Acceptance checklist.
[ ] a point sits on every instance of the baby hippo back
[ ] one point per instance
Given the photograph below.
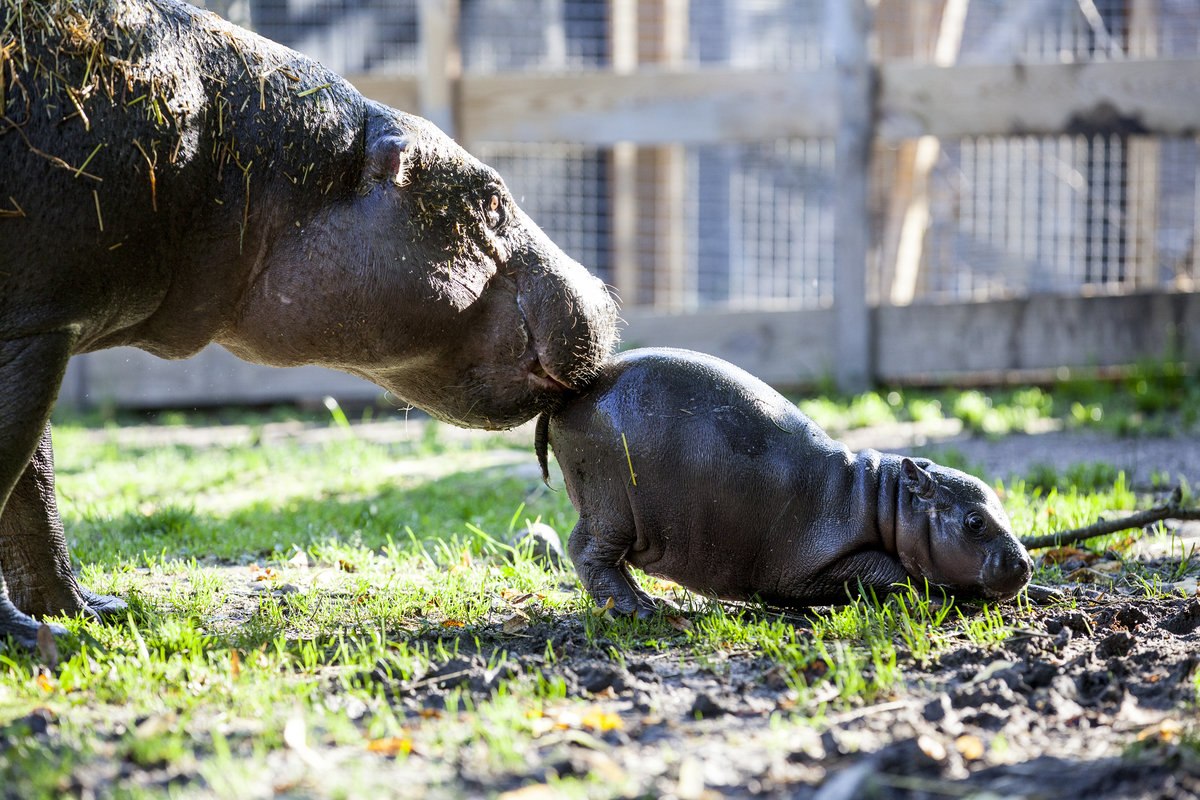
(722, 478)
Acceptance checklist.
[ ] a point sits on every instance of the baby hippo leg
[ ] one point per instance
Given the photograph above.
(873, 570)
(599, 559)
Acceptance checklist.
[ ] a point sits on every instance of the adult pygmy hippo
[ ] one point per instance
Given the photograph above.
(689, 468)
(170, 180)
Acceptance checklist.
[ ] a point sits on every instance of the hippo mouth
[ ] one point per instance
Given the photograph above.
(539, 378)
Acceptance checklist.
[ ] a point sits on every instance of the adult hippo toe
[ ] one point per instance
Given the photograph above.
(171, 180)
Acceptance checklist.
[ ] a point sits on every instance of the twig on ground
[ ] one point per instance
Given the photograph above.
(1169, 510)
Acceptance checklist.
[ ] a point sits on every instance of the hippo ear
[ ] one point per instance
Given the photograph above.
(917, 480)
(387, 160)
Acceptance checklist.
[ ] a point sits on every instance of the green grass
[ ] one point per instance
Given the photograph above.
(1154, 397)
(279, 594)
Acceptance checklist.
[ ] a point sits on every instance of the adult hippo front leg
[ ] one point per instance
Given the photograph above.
(31, 369)
(33, 548)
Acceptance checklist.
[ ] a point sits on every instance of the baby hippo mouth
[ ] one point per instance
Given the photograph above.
(1006, 573)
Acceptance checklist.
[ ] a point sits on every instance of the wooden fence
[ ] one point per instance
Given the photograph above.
(649, 100)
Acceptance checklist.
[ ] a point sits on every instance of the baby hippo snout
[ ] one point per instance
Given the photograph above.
(1006, 571)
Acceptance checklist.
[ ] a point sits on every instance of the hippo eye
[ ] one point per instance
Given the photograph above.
(975, 522)
(494, 211)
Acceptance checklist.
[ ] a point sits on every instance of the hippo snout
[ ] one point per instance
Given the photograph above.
(1006, 571)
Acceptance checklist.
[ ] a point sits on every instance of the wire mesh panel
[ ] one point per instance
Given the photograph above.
(346, 35)
(761, 225)
(564, 189)
(751, 225)
(558, 35)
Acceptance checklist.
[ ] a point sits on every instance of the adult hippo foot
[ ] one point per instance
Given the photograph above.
(102, 606)
(22, 628)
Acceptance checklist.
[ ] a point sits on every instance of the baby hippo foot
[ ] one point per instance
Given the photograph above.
(22, 628)
(102, 606)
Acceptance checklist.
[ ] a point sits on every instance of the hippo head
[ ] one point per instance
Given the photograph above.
(425, 277)
(952, 530)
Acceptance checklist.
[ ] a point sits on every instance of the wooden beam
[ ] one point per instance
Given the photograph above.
(1150, 97)
(397, 91)
(651, 106)
(849, 27)
(922, 343)
(913, 206)
(441, 64)
(1144, 158)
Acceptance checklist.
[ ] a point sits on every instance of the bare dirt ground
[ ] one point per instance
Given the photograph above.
(1095, 697)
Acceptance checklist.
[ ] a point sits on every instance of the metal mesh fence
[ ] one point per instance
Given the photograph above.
(751, 225)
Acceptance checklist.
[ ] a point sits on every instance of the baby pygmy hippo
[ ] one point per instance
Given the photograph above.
(691, 469)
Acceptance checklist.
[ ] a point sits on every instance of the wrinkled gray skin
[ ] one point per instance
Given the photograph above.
(170, 180)
(740, 496)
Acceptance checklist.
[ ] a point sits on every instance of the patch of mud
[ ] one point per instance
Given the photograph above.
(1085, 702)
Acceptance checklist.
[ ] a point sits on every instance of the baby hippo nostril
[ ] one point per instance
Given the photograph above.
(1008, 570)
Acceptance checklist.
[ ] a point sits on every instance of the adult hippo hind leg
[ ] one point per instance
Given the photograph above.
(31, 369)
(600, 563)
(34, 549)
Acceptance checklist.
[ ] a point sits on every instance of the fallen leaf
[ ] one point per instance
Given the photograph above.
(678, 623)
(691, 779)
(517, 622)
(931, 747)
(600, 720)
(258, 573)
(235, 664)
(453, 623)
(534, 791)
(44, 682)
(47, 647)
(1167, 731)
(991, 669)
(295, 734)
(346, 566)
(391, 746)
(1060, 554)
(969, 746)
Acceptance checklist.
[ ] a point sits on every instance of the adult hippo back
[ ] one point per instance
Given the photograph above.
(170, 180)
(687, 467)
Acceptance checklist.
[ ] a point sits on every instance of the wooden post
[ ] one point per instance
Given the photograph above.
(849, 29)
(1144, 159)
(909, 218)
(441, 63)
(649, 239)
(623, 39)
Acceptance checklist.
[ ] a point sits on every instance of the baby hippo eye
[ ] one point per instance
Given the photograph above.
(975, 522)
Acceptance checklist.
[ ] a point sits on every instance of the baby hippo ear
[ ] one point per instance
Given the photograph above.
(387, 160)
(917, 480)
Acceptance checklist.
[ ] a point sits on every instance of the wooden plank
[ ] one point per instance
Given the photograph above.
(937, 343)
(1145, 158)
(915, 216)
(784, 348)
(921, 343)
(125, 377)
(848, 30)
(1151, 97)
(440, 62)
(398, 91)
(649, 107)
